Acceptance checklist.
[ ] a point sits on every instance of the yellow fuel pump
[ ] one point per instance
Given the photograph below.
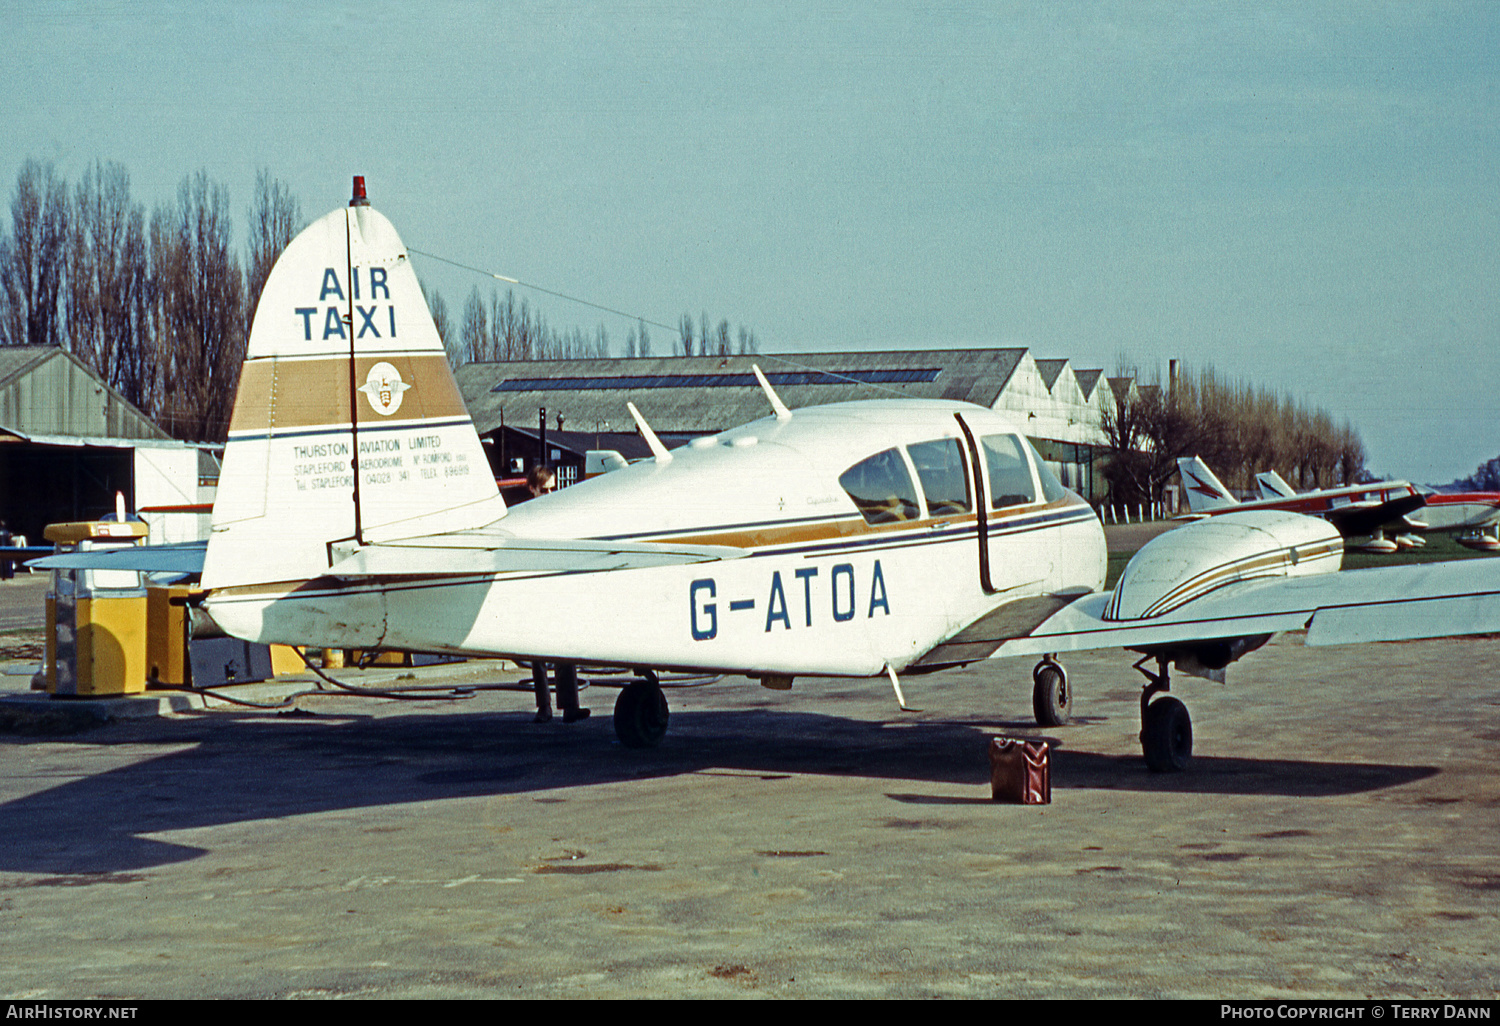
(96, 619)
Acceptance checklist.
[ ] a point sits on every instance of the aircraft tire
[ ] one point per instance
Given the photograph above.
(1167, 736)
(641, 715)
(1051, 697)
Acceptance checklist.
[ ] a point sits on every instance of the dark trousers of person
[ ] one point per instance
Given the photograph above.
(567, 692)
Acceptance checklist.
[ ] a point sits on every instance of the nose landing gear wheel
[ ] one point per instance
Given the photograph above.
(1167, 736)
(1051, 698)
(641, 714)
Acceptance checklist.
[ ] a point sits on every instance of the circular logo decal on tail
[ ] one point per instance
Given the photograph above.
(383, 387)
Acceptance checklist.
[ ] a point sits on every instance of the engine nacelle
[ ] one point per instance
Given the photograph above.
(1195, 559)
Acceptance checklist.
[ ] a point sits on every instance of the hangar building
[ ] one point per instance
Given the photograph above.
(1060, 409)
(69, 442)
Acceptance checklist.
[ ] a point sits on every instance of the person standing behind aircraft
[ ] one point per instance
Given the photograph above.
(541, 480)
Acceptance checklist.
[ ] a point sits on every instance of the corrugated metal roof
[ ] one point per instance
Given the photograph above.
(45, 390)
(712, 393)
(101, 441)
(17, 360)
(1049, 370)
(1121, 388)
(1087, 381)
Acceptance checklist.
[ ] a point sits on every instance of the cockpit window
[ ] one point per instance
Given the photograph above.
(1010, 476)
(1052, 488)
(940, 469)
(881, 487)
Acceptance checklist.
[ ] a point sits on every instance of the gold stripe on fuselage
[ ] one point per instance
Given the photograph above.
(851, 526)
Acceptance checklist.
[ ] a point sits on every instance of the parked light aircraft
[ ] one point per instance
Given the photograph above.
(1373, 510)
(868, 539)
(1473, 517)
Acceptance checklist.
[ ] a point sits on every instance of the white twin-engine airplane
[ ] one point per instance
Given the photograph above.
(866, 539)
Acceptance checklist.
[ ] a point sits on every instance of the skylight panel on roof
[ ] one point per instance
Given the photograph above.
(906, 375)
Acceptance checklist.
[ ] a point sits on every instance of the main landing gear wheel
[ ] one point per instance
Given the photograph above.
(1166, 727)
(641, 714)
(1051, 698)
(1167, 736)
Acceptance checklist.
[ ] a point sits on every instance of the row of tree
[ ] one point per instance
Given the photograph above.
(503, 328)
(715, 341)
(159, 308)
(1484, 479)
(1239, 431)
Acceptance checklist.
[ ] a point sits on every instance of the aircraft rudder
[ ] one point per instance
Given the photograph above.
(1204, 491)
(344, 370)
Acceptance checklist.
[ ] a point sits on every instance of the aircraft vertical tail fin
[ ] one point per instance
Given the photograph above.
(1204, 491)
(348, 426)
(1273, 486)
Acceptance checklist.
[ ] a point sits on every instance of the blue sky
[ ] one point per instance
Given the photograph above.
(1303, 195)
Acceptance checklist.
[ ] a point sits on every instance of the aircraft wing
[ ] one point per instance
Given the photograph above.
(459, 553)
(1383, 604)
(1355, 520)
(181, 558)
(480, 553)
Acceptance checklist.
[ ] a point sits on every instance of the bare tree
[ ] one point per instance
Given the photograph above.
(275, 218)
(5, 299)
(643, 343)
(1485, 479)
(107, 283)
(503, 323)
(438, 308)
(527, 334)
(198, 311)
(1238, 430)
(473, 330)
(32, 271)
(685, 334)
(1147, 428)
(1351, 455)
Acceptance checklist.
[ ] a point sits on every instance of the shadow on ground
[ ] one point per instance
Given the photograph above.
(242, 768)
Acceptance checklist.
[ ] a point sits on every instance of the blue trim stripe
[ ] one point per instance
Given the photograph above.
(721, 528)
(365, 427)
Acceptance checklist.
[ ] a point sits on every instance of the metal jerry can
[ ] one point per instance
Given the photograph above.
(1020, 771)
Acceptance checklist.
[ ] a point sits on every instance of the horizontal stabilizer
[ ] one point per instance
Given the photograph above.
(478, 553)
(186, 558)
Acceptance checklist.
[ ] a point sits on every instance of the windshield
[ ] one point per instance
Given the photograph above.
(882, 489)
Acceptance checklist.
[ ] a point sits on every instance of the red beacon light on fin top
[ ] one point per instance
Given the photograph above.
(359, 199)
